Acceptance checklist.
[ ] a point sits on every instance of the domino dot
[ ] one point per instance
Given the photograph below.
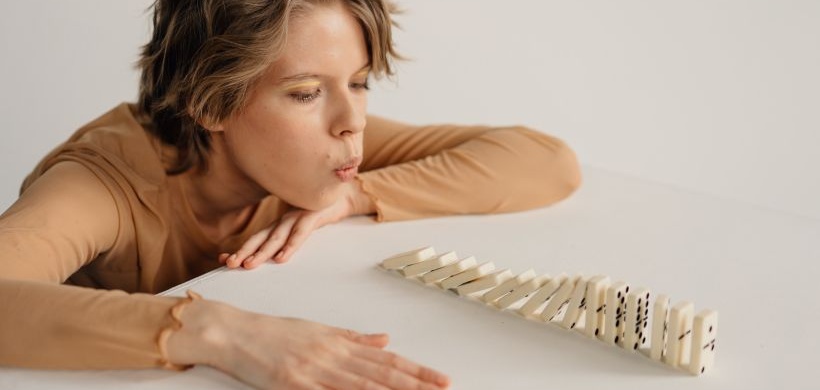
(627, 289)
(617, 338)
(636, 346)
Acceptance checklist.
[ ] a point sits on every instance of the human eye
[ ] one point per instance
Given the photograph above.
(363, 86)
(305, 97)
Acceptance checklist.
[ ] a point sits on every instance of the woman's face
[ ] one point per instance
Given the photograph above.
(300, 135)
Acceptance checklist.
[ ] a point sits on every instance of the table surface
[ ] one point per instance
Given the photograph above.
(757, 267)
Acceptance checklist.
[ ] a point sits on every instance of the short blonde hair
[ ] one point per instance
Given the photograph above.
(205, 55)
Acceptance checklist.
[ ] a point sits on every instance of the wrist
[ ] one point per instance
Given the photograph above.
(203, 336)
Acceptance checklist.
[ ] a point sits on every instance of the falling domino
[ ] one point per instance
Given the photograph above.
(596, 299)
(680, 331)
(542, 295)
(614, 317)
(576, 305)
(505, 288)
(660, 327)
(411, 257)
(704, 337)
(521, 291)
(448, 270)
(468, 275)
(485, 282)
(430, 264)
(559, 299)
(637, 309)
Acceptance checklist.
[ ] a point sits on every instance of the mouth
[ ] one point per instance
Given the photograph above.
(348, 170)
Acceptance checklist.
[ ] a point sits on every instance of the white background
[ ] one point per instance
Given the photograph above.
(714, 96)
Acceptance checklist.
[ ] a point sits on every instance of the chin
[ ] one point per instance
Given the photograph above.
(321, 201)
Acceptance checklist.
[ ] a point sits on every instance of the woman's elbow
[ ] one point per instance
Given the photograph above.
(556, 174)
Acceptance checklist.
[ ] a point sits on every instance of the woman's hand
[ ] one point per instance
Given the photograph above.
(280, 241)
(284, 353)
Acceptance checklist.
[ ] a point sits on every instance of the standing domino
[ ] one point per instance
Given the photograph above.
(448, 270)
(637, 310)
(521, 291)
(505, 288)
(596, 299)
(430, 264)
(411, 257)
(703, 342)
(468, 275)
(559, 300)
(680, 331)
(614, 318)
(542, 295)
(485, 282)
(576, 305)
(660, 327)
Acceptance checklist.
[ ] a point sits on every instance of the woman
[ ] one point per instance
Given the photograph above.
(249, 132)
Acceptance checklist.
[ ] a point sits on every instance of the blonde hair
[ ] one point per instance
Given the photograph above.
(205, 55)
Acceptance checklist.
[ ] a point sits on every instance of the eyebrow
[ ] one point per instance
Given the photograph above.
(304, 76)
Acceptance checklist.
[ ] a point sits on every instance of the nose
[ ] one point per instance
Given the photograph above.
(349, 117)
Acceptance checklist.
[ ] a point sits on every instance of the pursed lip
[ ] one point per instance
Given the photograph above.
(349, 169)
(352, 162)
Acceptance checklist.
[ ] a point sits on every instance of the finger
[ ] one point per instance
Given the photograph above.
(386, 375)
(274, 242)
(248, 248)
(298, 235)
(399, 363)
(223, 257)
(338, 379)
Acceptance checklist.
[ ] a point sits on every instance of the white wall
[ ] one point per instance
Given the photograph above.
(714, 96)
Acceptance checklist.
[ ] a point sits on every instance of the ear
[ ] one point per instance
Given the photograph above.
(211, 125)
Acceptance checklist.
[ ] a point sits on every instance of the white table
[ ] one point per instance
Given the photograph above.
(757, 267)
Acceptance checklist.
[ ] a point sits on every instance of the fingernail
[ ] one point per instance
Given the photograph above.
(231, 259)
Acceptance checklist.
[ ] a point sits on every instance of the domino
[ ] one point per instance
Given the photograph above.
(596, 303)
(468, 275)
(576, 305)
(637, 311)
(704, 333)
(559, 299)
(543, 294)
(484, 282)
(614, 316)
(430, 264)
(448, 270)
(411, 257)
(505, 288)
(660, 327)
(521, 291)
(680, 332)
(609, 312)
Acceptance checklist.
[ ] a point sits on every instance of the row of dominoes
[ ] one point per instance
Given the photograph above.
(610, 312)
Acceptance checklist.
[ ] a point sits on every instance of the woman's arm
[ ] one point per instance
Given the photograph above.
(424, 171)
(62, 221)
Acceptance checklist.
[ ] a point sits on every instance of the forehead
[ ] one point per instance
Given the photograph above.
(323, 39)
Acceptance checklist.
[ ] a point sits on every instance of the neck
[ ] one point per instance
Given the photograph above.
(222, 198)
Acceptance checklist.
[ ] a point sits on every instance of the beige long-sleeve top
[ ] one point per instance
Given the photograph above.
(68, 302)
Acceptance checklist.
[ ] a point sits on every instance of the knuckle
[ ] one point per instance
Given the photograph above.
(393, 360)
